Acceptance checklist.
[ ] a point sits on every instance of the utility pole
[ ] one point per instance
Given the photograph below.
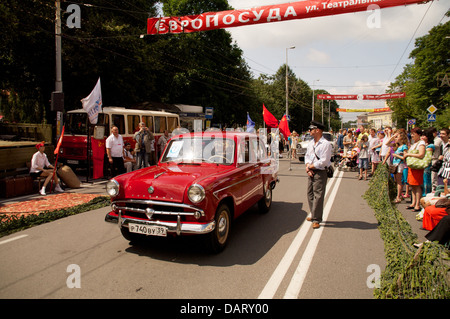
(57, 102)
(287, 85)
(58, 83)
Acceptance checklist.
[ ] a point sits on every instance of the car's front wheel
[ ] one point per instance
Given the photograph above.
(218, 238)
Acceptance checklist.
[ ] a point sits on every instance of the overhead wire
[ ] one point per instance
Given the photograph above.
(410, 40)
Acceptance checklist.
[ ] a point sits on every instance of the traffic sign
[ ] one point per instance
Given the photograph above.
(412, 122)
(432, 109)
(431, 118)
(209, 111)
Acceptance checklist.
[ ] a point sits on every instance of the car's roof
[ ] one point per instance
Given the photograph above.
(220, 134)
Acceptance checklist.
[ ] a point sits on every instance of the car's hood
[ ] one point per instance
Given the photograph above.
(168, 183)
(304, 144)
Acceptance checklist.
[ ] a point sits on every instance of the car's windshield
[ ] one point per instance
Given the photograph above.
(328, 136)
(200, 149)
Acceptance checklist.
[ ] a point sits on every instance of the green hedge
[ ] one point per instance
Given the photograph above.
(410, 272)
(10, 224)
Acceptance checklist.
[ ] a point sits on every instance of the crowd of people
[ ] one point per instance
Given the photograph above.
(418, 161)
(122, 158)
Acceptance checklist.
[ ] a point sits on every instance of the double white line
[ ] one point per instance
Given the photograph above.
(300, 273)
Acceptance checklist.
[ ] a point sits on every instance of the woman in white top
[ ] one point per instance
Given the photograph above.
(386, 145)
(40, 166)
(294, 144)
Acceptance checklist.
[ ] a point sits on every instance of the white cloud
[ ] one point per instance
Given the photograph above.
(342, 51)
(318, 56)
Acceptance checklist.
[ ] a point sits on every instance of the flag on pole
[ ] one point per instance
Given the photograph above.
(269, 119)
(250, 124)
(59, 142)
(284, 127)
(92, 104)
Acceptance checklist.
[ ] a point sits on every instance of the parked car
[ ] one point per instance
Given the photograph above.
(303, 145)
(202, 182)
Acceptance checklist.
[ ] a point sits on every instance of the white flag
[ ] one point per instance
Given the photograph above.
(92, 104)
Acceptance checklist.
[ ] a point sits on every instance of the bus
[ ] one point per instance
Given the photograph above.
(74, 148)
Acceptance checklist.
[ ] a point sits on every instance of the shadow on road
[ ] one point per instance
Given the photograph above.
(252, 236)
(355, 224)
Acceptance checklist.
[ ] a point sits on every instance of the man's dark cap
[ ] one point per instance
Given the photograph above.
(315, 124)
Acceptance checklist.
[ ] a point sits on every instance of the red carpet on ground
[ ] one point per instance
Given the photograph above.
(46, 203)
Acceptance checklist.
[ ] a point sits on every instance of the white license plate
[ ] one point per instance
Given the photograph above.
(147, 230)
(73, 162)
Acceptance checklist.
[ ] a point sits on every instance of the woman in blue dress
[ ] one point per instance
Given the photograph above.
(401, 142)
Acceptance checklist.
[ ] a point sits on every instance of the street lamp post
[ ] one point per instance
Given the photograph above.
(287, 87)
(313, 100)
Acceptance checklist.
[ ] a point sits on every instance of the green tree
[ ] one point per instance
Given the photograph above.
(271, 91)
(423, 80)
(206, 68)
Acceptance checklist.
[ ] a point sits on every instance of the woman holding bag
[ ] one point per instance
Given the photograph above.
(398, 161)
(415, 175)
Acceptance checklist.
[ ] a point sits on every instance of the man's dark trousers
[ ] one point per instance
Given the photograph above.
(316, 194)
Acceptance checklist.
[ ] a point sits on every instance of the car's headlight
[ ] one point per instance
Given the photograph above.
(112, 188)
(196, 193)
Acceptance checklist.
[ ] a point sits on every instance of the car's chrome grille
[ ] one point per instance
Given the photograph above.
(155, 210)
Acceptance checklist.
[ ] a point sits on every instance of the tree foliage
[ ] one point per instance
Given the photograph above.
(203, 68)
(425, 81)
(271, 90)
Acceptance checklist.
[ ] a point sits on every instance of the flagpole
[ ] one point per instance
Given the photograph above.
(57, 156)
(88, 143)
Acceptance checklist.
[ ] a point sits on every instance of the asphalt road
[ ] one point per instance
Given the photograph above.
(272, 256)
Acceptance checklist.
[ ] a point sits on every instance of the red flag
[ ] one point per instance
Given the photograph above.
(269, 119)
(98, 154)
(59, 142)
(284, 127)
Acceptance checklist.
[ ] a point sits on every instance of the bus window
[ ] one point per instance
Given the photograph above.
(103, 120)
(119, 121)
(76, 123)
(148, 120)
(172, 123)
(160, 124)
(133, 123)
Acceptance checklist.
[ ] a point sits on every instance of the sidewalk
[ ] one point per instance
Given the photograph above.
(36, 203)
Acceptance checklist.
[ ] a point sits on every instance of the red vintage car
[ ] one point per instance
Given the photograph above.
(202, 182)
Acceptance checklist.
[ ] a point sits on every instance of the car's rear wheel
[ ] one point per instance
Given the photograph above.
(265, 203)
(217, 240)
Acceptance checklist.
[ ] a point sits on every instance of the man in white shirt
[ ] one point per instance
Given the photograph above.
(114, 150)
(317, 159)
(40, 166)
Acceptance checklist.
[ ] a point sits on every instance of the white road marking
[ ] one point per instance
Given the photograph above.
(12, 239)
(300, 273)
(280, 272)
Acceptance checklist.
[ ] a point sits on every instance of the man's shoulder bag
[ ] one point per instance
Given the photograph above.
(329, 169)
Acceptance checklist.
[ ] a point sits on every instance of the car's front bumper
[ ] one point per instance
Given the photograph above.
(177, 227)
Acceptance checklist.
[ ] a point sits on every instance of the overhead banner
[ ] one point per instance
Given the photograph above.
(361, 96)
(265, 14)
(383, 109)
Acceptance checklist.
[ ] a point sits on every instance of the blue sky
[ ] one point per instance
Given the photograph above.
(342, 51)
